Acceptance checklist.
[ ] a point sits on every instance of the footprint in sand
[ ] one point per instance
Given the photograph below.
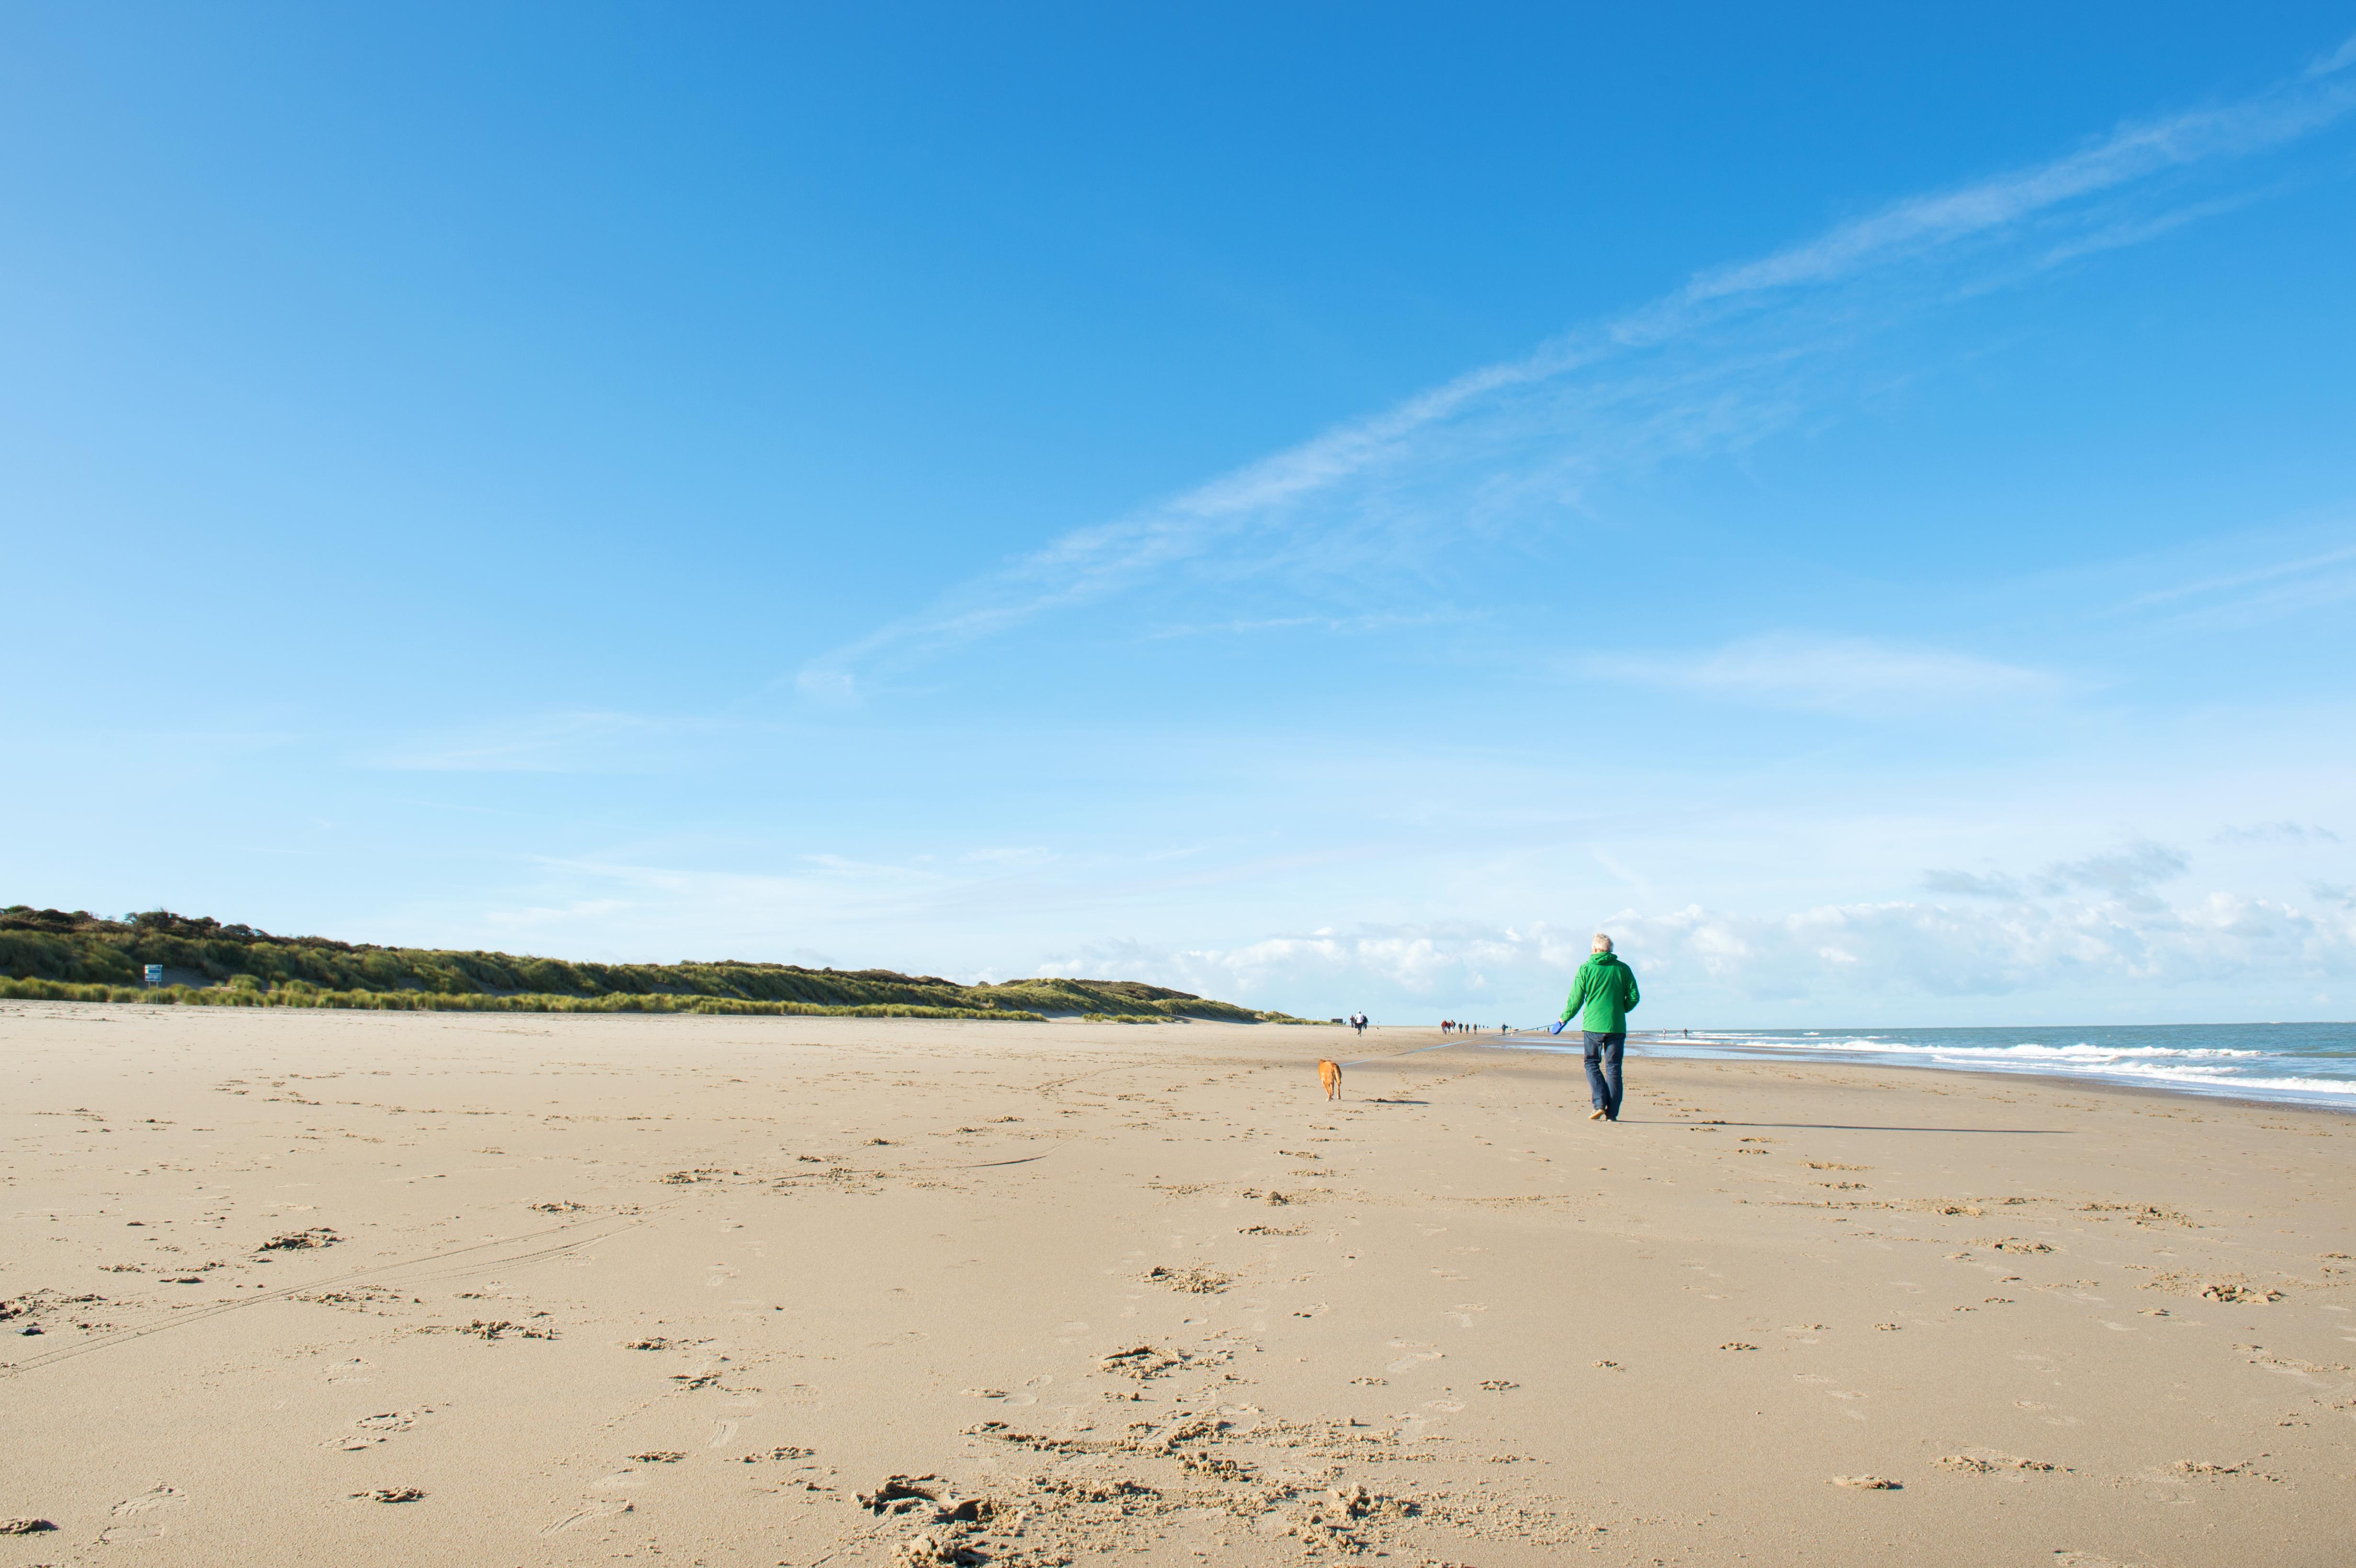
(147, 1513)
(2045, 1413)
(606, 1509)
(373, 1430)
(389, 1421)
(1413, 1358)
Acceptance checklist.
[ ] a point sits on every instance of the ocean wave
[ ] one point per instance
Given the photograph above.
(2025, 1050)
(2187, 1068)
(2186, 1075)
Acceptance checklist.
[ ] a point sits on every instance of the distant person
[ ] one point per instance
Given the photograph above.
(1358, 1022)
(1602, 994)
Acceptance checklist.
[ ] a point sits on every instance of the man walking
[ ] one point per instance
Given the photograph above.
(1601, 995)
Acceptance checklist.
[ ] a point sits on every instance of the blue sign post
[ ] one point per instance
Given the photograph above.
(155, 973)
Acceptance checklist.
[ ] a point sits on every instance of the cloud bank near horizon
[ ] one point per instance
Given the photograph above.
(1893, 955)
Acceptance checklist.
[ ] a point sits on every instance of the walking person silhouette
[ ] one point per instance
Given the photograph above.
(1602, 994)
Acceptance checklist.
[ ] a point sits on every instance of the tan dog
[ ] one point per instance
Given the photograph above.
(1329, 1074)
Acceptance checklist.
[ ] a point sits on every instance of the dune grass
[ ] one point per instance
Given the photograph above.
(62, 956)
(302, 995)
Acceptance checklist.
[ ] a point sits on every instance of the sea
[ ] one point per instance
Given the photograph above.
(2304, 1065)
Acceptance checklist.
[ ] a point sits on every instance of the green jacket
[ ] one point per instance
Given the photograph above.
(1606, 988)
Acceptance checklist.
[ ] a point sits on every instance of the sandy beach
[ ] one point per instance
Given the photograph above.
(507, 1290)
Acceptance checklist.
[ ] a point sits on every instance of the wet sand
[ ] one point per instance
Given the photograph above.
(508, 1290)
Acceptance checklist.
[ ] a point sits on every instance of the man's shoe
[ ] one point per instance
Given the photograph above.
(1596, 1114)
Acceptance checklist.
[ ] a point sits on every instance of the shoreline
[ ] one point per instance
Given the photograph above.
(1999, 1075)
(2338, 1101)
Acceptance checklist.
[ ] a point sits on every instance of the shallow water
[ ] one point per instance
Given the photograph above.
(2309, 1064)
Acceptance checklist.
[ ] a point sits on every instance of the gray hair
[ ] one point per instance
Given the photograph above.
(1602, 943)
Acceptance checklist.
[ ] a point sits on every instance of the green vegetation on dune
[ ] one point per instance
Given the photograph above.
(299, 995)
(77, 957)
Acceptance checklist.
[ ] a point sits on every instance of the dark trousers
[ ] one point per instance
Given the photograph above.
(1603, 1069)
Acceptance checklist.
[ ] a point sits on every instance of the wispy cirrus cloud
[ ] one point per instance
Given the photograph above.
(1836, 674)
(2128, 155)
(2310, 581)
(2339, 59)
(1329, 624)
(570, 741)
(2284, 832)
(1740, 352)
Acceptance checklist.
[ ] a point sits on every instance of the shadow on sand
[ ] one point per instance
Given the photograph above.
(1861, 1128)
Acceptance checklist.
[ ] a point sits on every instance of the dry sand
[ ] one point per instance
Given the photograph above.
(381, 1288)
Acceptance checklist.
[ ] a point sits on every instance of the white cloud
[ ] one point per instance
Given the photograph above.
(1881, 957)
(1441, 962)
(2120, 873)
(1970, 885)
(2127, 872)
(577, 741)
(2130, 154)
(1010, 855)
(2339, 59)
(2277, 833)
(828, 686)
(2308, 582)
(1908, 950)
(1338, 625)
(1837, 675)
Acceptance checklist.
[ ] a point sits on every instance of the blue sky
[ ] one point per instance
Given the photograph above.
(1322, 506)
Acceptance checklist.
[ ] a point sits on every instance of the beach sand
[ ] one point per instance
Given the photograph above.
(518, 1289)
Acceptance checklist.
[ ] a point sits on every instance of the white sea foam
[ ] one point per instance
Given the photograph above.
(2300, 1071)
(2026, 1050)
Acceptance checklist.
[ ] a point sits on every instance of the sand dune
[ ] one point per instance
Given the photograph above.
(506, 1290)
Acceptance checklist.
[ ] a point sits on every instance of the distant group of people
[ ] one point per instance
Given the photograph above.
(1456, 1026)
(1358, 1022)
